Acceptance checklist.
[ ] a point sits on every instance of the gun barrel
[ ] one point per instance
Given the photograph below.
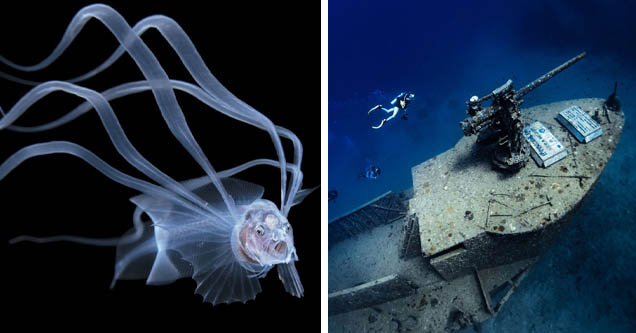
(521, 92)
(472, 125)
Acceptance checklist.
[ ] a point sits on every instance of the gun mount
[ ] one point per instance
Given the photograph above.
(503, 119)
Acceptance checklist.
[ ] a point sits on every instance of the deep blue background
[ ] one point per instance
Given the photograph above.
(445, 53)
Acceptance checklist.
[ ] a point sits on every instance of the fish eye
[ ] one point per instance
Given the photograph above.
(286, 228)
(260, 230)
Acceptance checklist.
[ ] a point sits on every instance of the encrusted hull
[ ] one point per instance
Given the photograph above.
(454, 248)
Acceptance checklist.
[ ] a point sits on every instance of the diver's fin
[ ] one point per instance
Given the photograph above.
(374, 108)
(382, 123)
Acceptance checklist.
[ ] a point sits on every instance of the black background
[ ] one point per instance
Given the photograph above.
(266, 53)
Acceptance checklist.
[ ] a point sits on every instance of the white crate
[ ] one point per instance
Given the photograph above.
(546, 149)
(580, 124)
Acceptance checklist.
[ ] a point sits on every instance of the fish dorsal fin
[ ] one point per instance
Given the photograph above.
(302, 194)
(158, 209)
(241, 191)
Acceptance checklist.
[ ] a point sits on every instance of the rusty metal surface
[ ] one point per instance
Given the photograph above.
(411, 247)
(380, 291)
(385, 209)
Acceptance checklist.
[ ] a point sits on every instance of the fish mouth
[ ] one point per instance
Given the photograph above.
(280, 248)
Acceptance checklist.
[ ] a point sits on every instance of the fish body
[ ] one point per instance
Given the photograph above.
(225, 254)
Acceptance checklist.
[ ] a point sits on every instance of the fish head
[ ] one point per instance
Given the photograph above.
(265, 237)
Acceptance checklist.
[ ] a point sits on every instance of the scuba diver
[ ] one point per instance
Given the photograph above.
(399, 103)
(372, 172)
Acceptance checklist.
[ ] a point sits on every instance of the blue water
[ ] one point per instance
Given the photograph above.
(445, 53)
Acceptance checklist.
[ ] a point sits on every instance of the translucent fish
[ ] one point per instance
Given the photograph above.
(216, 229)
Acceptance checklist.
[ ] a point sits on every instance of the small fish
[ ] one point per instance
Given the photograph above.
(372, 172)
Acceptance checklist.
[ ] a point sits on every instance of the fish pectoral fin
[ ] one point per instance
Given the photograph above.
(291, 281)
(226, 283)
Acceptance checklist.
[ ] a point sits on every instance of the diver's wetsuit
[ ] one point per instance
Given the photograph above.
(400, 103)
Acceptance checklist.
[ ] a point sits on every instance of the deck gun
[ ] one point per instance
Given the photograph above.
(503, 119)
